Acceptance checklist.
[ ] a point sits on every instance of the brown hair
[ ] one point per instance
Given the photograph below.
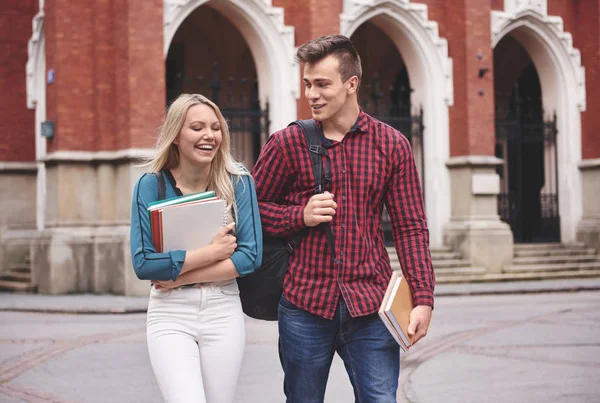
(337, 45)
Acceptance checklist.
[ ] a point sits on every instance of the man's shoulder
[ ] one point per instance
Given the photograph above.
(388, 138)
(288, 137)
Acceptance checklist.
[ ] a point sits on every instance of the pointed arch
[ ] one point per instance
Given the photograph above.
(271, 43)
(562, 80)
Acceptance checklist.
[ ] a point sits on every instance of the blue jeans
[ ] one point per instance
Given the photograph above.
(307, 344)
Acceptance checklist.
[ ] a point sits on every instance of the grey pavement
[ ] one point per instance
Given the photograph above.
(108, 303)
(535, 347)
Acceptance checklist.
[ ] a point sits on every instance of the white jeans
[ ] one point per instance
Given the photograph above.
(196, 342)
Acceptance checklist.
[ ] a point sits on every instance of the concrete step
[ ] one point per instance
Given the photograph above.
(450, 271)
(554, 252)
(16, 286)
(15, 276)
(441, 250)
(545, 246)
(21, 267)
(439, 263)
(569, 274)
(458, 271)
(539, 260)
(436, 256)
(551, 267)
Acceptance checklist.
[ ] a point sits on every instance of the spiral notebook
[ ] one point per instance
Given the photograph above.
(191, 225)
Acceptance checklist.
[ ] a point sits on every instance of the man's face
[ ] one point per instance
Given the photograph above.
(324, 89)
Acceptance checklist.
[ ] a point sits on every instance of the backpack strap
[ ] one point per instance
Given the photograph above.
(314, 137)
(161, 185)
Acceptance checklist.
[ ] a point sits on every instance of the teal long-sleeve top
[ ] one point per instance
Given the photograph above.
(150, 265)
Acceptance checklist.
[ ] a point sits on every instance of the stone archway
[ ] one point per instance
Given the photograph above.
(430, 71)
(271, 43)
(563, 91)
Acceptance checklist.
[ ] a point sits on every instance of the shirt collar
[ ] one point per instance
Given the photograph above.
(361, 125)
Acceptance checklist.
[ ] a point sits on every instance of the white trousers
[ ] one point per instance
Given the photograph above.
(196, 342)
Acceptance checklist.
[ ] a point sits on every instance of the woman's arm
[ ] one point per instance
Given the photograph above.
(149, 264)
(248, 254)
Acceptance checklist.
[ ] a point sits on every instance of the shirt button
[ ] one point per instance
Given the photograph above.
(341, 253)
(343, 225)
(343, 197)
(343, 171)
(336, 261)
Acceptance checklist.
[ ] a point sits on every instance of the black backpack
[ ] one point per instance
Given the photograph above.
(261, 290)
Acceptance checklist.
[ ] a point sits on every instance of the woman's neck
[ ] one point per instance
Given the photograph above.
(191, 178)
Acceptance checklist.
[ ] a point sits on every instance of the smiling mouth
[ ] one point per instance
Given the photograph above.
(205, 148)
(317, 107)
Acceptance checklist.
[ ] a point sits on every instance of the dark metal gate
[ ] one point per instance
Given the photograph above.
(239, 102)
(528, 201)
(394, 108)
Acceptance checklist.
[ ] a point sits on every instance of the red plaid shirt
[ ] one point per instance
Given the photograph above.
(373, 165)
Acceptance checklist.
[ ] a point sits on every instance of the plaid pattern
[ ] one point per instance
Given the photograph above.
(373, 165)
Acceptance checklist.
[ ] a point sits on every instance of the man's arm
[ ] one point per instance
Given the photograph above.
(273, 176)
(404, 203)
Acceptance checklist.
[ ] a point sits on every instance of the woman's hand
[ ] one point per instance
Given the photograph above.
(224, 244)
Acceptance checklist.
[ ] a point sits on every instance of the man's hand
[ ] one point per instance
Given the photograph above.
(420, 317)
(320, 209)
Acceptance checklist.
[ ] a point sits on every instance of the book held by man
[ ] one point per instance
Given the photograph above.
(395, 310)
(186, 222)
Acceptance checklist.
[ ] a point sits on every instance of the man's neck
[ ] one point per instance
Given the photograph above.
(337, 126)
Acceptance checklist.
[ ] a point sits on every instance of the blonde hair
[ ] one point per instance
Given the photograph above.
(223, 166)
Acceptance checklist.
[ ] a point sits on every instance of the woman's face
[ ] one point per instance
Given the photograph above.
(200, 136)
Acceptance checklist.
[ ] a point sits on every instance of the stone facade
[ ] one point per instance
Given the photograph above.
(65, 200)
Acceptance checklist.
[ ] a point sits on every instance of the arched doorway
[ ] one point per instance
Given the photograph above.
(562, 81)
(224, 71)
(526, 141)
(385, 94)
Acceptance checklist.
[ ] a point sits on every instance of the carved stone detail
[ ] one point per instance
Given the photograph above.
(353, 9)
(535, 12)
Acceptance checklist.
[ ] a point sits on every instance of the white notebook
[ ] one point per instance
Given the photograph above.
(192, 226)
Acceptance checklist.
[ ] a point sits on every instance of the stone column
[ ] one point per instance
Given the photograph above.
(588, 230)
(586, 37)
(475, 228)
(107, 101)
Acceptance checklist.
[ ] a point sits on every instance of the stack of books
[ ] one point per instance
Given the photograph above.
(186, 222)
(395, 310)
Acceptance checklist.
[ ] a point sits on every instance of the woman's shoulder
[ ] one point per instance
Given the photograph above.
(147, 184)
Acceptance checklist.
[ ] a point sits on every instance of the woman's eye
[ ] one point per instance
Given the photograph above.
(216, 129)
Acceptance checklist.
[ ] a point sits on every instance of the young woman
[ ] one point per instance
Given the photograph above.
(195, 326)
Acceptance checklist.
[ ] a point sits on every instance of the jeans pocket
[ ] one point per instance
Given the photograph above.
(230, 289)
(159, 294)
(287, 307)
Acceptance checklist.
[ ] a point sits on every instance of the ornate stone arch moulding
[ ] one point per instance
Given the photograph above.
(414, 17)
(534, 14)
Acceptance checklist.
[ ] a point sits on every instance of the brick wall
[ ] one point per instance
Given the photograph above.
(17, 123)
(108, 92)
(472, 115)
(581, 19)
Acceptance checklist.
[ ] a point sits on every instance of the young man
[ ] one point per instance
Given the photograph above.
(331, 298)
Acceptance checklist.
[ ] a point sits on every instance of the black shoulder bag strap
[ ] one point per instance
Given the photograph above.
(314, 138)
(161, 185)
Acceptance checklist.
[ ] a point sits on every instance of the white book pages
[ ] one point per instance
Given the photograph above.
(192, 226)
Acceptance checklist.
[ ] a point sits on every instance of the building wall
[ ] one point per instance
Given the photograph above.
(17, 134)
